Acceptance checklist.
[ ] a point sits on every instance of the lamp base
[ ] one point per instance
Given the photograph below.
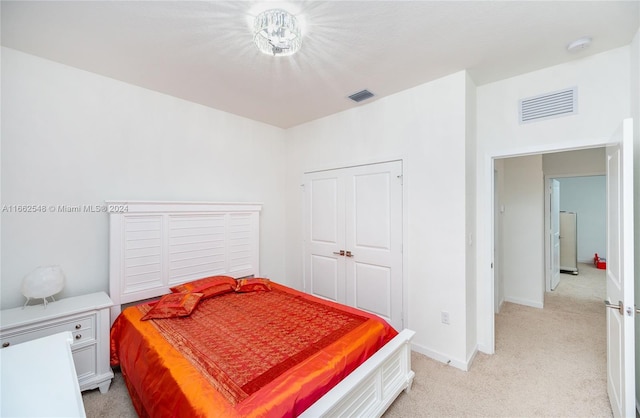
(44, 300)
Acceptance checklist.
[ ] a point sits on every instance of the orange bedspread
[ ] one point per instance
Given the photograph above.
(243, 354)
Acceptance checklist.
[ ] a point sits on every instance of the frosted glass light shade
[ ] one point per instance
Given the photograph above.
(276, 32)
(42, 283)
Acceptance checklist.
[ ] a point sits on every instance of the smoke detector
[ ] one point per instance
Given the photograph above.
(579, 44)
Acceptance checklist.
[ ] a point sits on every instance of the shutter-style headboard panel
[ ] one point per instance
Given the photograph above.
(156, 245)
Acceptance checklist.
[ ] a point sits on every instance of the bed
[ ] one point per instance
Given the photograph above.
(259, 349)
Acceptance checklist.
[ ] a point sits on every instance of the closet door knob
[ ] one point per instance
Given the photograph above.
(349, 254)
(339, 253)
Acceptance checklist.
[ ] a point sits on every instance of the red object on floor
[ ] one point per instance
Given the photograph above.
(600, 263)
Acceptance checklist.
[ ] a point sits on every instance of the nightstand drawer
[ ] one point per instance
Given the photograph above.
(82, 328)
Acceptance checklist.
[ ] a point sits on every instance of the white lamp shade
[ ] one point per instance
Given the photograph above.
(43, 282)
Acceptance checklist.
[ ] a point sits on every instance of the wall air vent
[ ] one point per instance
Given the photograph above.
(550, 105)
(361, 95)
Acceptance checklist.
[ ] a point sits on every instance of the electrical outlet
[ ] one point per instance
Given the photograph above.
(444, 316)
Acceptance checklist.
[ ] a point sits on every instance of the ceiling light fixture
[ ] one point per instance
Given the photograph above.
(276, 32)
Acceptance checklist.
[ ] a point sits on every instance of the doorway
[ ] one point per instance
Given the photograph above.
(580, 201)
(523, 221)
(521, 196)
(620, 266)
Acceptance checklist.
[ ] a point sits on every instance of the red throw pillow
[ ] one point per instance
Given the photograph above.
(253, 285)
(173, 305)
(208, 286)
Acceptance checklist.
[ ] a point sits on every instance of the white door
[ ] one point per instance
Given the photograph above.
(620, 322)
(554, 217)
(353, 252)
(324, 272)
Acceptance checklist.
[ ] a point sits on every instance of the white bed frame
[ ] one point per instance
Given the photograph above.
(156, 245)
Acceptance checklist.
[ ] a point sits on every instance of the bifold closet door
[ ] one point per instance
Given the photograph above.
(353, 251)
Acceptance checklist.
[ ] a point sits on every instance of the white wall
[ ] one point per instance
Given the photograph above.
(523, 200)
(71, 137)
(585, 162)
(587, 197)
(425, 126)
(603, 102)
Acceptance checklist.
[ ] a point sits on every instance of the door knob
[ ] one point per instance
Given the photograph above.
(349, 254)
(619, 306)
(341, 252)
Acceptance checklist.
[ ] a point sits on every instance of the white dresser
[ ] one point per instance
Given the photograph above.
(86, 317)
(39, 379)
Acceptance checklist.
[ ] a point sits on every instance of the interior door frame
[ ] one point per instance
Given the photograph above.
(547, 216)
(497, 250)
(486, 318)
(485, 232)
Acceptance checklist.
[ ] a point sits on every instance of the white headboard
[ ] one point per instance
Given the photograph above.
(156, 245)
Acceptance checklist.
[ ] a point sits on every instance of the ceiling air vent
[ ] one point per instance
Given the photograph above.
(361, 95)
(550, 105)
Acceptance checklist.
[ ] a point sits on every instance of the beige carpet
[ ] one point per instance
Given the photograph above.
(115, 403)
(549, 362)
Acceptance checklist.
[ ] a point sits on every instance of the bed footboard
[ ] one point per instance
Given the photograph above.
(370, 389)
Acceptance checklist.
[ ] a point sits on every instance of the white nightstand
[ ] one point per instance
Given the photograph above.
(86, 317)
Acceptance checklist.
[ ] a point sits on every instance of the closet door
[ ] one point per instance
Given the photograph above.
(353, 252)
(324, 235)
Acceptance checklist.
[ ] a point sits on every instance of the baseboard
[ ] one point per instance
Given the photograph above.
(442, 358)
(472, 357)
(525, 302)
(485, 349)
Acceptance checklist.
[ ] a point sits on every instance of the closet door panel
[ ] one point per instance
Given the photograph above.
(324, 236)
(368, 277)
(324, 274)
(374, 237)
(371, 211)
(324, 210)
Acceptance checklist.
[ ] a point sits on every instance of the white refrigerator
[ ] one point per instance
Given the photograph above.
(568, 242)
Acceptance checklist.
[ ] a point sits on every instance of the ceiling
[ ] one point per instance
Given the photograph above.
(202, 51)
